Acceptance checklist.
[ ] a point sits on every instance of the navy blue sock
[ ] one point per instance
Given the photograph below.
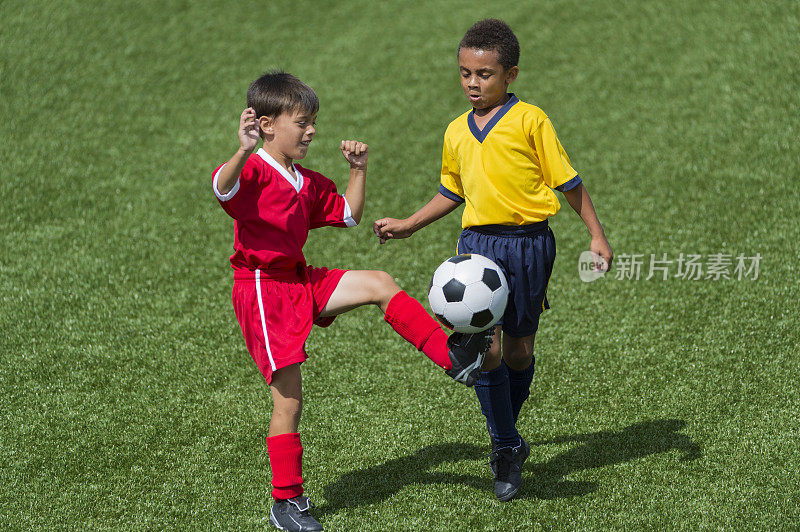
(492, 390)
(519, 384)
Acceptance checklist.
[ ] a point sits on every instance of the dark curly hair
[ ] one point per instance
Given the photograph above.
(277, 92)
(493, 34)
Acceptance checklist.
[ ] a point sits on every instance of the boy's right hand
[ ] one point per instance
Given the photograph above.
(248, 130)
(387, 228)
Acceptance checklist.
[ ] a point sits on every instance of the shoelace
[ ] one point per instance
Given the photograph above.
(500, 463)
(307, 510)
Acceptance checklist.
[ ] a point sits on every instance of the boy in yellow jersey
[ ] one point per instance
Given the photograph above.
(502, 159)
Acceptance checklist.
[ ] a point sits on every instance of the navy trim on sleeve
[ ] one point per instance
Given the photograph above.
(569, 185)
(449, 194)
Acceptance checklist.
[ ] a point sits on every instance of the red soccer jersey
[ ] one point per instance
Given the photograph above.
(273, 212)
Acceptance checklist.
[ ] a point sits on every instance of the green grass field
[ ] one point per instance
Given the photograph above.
(128, 399)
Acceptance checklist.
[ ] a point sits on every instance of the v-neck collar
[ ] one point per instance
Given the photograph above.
(480, 134)
(297, 184)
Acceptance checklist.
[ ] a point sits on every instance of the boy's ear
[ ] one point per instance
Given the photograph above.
(511, 74)
(265, 124)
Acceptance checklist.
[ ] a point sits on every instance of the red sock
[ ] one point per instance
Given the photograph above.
(412, 322)
(286, 460)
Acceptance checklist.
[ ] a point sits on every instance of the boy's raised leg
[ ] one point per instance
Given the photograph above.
(461, 356)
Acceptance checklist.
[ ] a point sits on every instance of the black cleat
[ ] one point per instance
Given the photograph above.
(292, 514)
(506, 466)
(467, 352)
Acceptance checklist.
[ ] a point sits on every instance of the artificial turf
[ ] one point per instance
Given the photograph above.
(128, 399)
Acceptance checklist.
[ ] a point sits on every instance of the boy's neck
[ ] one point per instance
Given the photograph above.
(279, 157)
(493, 108)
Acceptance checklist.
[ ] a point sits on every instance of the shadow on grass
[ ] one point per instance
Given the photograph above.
(599, 449)
(377, 483)
(545, 480)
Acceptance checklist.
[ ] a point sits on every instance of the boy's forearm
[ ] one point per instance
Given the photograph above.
(581, 203)
(356, 193)
(437, 207)
(230, 172)
(391, 228)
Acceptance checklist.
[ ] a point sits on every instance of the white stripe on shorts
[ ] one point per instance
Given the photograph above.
(263, 320)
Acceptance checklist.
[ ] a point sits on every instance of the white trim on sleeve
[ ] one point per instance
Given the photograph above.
(347, 217)
(229, 195)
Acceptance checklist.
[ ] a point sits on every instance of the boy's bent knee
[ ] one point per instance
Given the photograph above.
(518, 361)
(518, 352)
(519, 357)
(382, 286)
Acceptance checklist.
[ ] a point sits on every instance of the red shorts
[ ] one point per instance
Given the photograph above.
(277, 309)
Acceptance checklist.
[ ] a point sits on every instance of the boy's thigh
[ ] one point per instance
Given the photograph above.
(527, 262)
(356, 288)
(287, 384)
(323, 283)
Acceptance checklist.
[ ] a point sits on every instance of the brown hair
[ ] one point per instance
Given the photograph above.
(277, 92)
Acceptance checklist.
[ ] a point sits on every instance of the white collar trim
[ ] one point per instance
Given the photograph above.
(296, 183)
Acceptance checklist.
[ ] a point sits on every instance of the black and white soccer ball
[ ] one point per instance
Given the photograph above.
(468, 293)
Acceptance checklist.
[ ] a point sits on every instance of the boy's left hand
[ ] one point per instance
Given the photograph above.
(356, 153)
(601, 246)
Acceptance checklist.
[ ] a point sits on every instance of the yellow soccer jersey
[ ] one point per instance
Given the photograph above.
(507, 171)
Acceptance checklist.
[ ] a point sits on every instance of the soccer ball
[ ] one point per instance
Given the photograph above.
(468, 293)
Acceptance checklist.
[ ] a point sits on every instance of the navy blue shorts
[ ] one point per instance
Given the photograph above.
(526, 255)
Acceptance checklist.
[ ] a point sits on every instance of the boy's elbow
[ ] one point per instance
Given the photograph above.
(224, 188)
(577, 190)
(357, 213)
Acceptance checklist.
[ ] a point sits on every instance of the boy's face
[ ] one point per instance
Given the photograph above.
(290, 133)
(483, 78)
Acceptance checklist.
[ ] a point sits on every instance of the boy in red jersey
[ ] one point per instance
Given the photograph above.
(277, 297)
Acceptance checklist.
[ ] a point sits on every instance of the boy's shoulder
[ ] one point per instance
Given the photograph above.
(530, 111)
(529, 116)
(308, 172)
(255, 164)
(459, 122)
(318, 182)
